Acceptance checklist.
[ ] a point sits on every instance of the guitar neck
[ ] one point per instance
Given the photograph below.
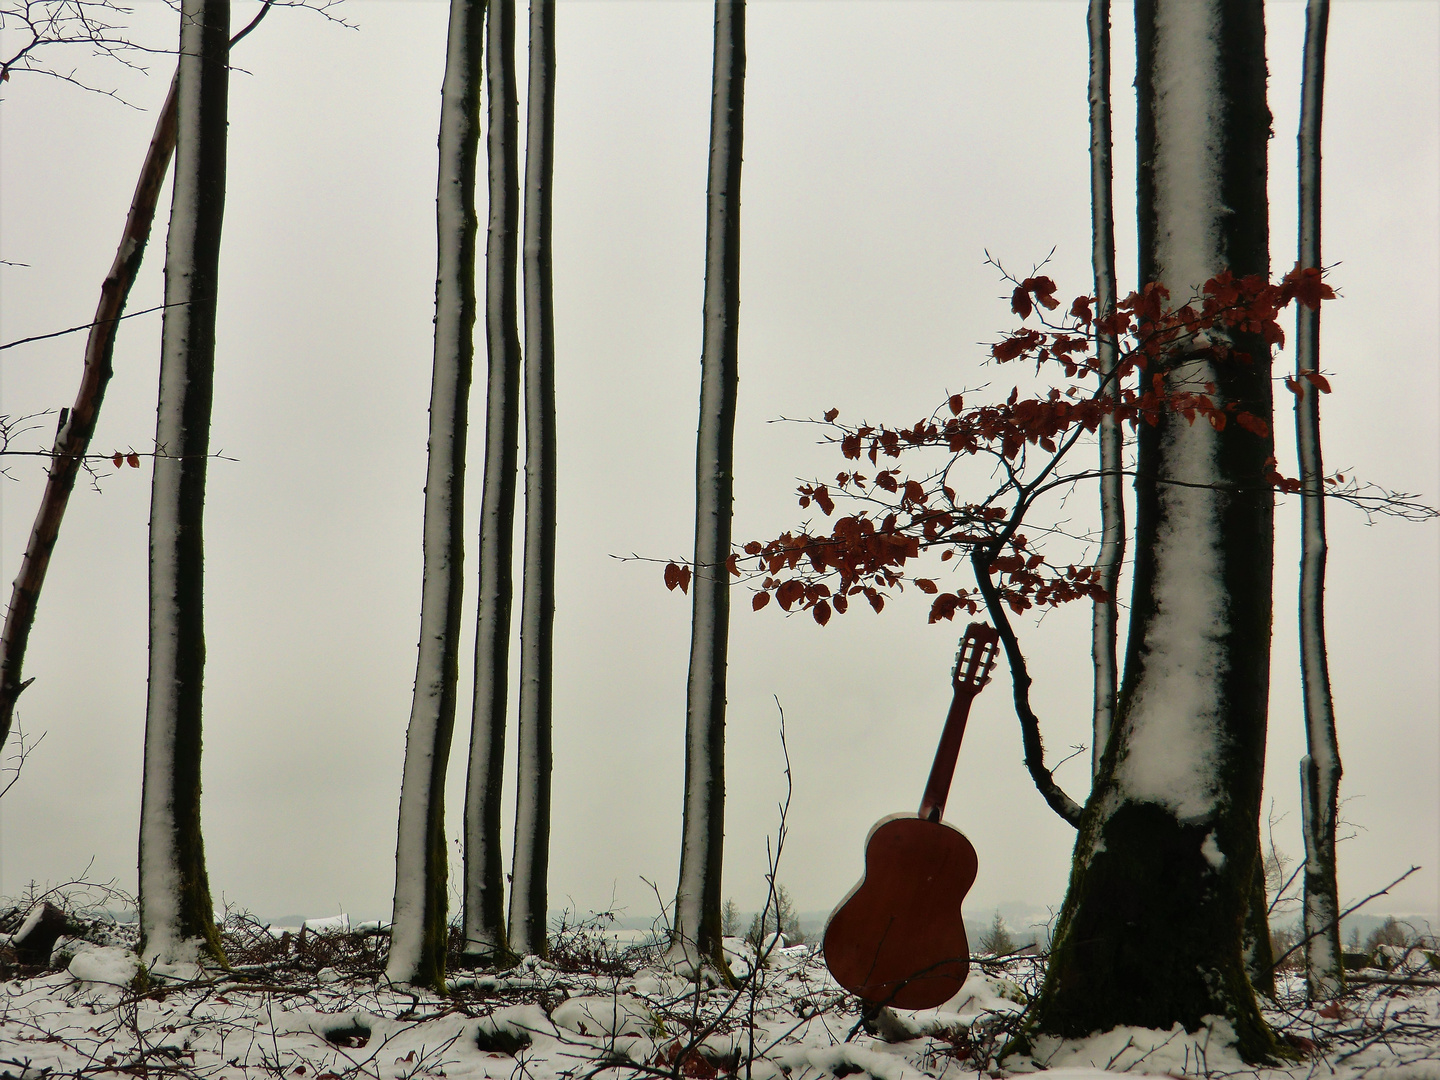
(937, 788)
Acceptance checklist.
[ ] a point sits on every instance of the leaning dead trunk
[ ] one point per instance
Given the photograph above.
(1320, 770)
(529, 871)
(485, 934)
(177, 923)
(77, 425)
(696, 936)
(419, 935)
(1151, 933)
(1112, 440)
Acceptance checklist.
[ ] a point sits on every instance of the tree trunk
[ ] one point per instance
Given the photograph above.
(529, 871)
(1112, 439)
(177, 922)
(1320, 770)
(1151, 933)
(485, 937)
(1256, 946)
(77, 425)
(696, 936)
(419, 931)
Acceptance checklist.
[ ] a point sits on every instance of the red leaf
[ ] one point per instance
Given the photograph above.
(1253, 424)
(759, 601)
(1317, 380)
(876, 600)
(840, 603)
(944, 607)
(133, 460)
(677, 576)
(1020, 303)
(830, 415)
(753, 548)
(789, 592)
(118, 459)
(914, 492)
(956, 403)
(733, 564)
(821, 612)
(925, 585)
(827, 504)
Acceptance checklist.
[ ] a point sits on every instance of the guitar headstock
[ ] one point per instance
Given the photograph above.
(976, 657)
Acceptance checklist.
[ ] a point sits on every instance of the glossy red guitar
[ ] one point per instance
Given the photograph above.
(898, 938)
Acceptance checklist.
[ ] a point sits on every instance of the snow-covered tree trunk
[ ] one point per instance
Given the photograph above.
(1320, 770)
(177, 918)
(485, 937)
(696, 937)
(530, 868)
(78, 424)
(1151, 930)
(419, 932)
(1112, 439)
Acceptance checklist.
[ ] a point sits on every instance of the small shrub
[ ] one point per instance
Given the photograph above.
(997, 940)
(777, 917)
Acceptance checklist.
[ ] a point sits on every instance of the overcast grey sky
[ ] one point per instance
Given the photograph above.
(887, 145)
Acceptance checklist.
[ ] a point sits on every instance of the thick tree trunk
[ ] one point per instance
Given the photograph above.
(696, 935)
(530, 868)
(77, 425)
(485, 937)
(1256, 946)
(1151, 933)
(177, 922)
(1112, 439)
(419, 933)
(1320, 771)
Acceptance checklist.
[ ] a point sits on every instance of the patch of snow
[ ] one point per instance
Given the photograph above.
(108, 964)
(1189, 114)
(1211, 850)
(334, 924)
(615, 1015)
(1130, 1049)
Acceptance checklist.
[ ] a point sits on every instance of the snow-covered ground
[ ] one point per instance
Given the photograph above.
(310, 1008)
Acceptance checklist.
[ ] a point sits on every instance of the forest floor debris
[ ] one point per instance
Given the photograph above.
(309, 1004)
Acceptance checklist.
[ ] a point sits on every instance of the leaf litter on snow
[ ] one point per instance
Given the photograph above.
(312, 1006)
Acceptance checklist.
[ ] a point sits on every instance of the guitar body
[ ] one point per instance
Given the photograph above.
(899, 939)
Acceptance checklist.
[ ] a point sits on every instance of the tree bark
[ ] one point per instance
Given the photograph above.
(485, 934)
(529, 870)
(1112, 439)
(177, 924)
(696, 934)
(419, 932)
(1256, 946)
(1151, 932)
(77, 425)
(1320, 770)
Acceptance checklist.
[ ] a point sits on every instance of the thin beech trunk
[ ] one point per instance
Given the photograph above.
(419, 932)
(485, 935)
(1112, 439)
(77, 425)
(696, 934)
(1151, 932)
(1320, 769)
(177, 923)
(529, 871)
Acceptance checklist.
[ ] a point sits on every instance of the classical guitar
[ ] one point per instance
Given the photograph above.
(898, 938)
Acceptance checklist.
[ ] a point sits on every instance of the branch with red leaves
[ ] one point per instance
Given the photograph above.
(899, 515)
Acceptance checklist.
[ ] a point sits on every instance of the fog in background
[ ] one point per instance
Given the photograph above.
(887, 146)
